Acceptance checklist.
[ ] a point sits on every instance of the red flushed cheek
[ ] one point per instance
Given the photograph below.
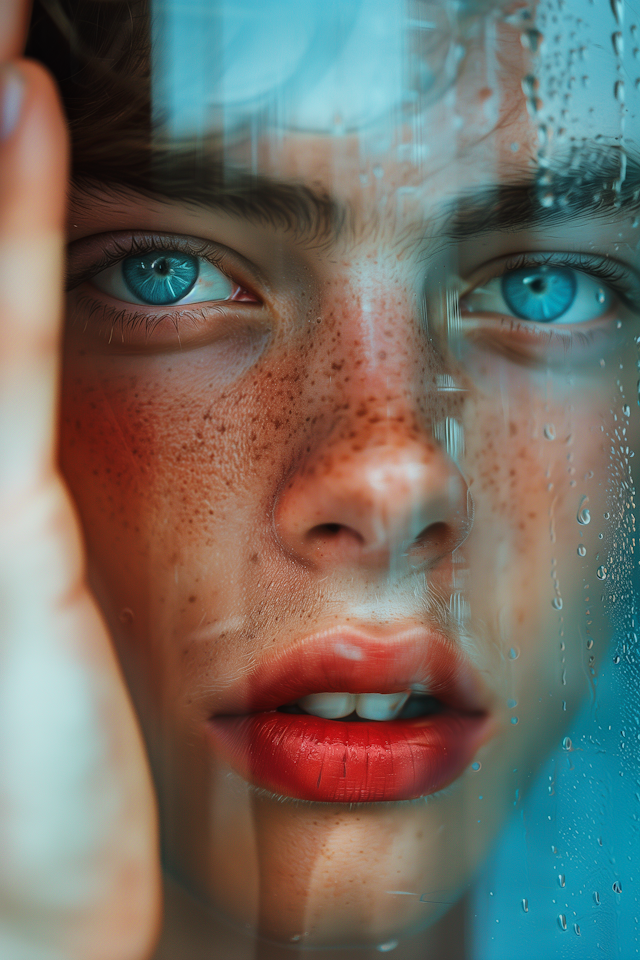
(145, 454)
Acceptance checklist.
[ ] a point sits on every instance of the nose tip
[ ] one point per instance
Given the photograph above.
(383, 504)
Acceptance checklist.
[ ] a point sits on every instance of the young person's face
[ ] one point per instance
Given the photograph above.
(359, 459)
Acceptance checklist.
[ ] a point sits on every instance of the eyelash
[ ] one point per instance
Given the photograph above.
(609, 271)
(121, 249)
(620, 278)
(129, 319)
(125, 320)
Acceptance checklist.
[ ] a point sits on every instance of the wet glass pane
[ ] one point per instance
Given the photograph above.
(348, 412)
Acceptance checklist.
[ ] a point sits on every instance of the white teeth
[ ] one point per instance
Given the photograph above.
(331, 706)
(380, 706)
(368, 706)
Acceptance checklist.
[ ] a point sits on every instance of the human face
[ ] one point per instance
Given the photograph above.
(359, 468)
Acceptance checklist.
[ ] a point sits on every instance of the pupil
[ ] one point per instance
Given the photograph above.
(538, 286)
(162, 267)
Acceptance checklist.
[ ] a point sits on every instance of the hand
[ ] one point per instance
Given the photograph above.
(79, 875)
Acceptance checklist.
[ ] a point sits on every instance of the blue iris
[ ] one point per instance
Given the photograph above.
(541, 293)
(160, 278)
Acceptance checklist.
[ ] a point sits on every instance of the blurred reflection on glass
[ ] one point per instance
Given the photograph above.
(349, 413)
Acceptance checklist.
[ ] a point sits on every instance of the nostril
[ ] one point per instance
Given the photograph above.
(435, 540)
(327, 530)
(334, 537)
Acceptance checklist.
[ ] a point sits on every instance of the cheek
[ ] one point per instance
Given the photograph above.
(548, 481)
(160, 459)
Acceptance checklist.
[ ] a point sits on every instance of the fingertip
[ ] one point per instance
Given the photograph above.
(34, 151)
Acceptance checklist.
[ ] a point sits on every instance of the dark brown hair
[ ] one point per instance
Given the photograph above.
(98, 52)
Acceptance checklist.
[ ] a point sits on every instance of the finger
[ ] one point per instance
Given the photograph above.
(14, 20)
(78, 872)
(33, 169)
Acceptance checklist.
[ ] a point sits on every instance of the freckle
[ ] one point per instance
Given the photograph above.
(254, 558)
(192, 598)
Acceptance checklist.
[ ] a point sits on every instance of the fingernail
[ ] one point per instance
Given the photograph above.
(11, 97)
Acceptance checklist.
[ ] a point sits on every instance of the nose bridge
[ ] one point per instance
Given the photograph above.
(375, 340)
(373, 478)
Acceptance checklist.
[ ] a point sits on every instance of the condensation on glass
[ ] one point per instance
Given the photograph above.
(373, 386)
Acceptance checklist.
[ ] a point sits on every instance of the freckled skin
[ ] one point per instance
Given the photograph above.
(227, 499)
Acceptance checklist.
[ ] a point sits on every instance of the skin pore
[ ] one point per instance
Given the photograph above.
(357, 441)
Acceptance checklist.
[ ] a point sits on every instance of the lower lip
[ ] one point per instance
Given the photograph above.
(308, 758)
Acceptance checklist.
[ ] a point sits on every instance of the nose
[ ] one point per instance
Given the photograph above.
(374, 500)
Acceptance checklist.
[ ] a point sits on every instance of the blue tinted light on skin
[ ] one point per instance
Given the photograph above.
(541, 293)
(160, 278)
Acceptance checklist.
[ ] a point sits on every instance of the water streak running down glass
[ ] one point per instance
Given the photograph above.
(349, 413)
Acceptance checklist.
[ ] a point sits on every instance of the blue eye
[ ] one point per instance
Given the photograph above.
(542, 293)
(164, 278)
(160, 278)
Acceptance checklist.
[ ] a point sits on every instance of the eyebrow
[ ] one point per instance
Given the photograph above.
(307, 212)
(594, 181)
(583, 183)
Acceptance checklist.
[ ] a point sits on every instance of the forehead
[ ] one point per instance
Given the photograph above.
(471, 122)
(499, 116)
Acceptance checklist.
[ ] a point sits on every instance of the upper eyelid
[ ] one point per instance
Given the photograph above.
(95, 256)
(624, 280)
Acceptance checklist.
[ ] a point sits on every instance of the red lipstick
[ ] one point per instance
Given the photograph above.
(341, 761)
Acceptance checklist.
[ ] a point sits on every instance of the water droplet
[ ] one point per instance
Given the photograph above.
(616, 659)
(525, 905)
(532, 40)
(626, 410)
(584, 515)
(576, 929)
(549, 431)
(590, 644)
(512, 703)
(617, 9)
(562, 921)
(387, 947)
(514, 720)
(561, 879)
(582, 550)
(514, 653)
(616, 886)
(618, 90)
(556, 603)
(601, 296)
(617, 43)
(476, 765)
(601, 572)
(547, 199)
(566, 744)
(596, 897)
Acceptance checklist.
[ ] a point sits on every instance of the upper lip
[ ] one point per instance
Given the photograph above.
(365, 660)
